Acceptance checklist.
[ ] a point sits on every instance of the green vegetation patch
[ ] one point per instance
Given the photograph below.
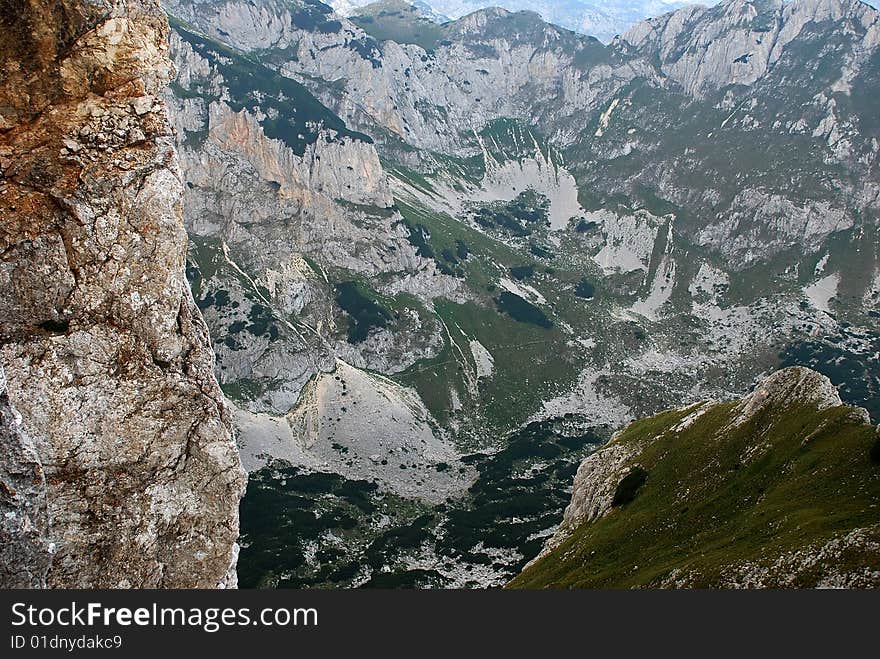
(585, 289)
(721, 496)
(364, 314)
(398, 21)
(522, 272)
(315, 16)
(521, 310)
(519, 217)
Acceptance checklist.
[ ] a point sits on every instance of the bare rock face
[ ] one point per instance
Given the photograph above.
(786, 387)
(25, 549)
(110, 407)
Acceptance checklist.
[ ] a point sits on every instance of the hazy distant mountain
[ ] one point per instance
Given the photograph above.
(599, 19)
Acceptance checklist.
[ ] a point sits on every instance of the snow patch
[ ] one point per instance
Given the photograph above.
(661, 291)
(662, 284)
(629, 240)
(506, 181)
(605, 119)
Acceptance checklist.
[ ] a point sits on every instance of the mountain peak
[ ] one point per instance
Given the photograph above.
(788, 387)
(686, 482)
(737, 42)
(492, 22)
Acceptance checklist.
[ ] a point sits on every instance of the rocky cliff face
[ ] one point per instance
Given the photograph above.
(26, 551)
(119, 468)
(728, 67)
(690, 475)
(694, 45)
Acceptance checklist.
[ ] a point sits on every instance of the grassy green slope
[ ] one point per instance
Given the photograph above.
(704, 510)
(525, 370)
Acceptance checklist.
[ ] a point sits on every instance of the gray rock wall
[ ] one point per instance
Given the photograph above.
(120, 465)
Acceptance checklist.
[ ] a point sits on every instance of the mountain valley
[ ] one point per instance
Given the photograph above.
(475, 300)
(509, 230)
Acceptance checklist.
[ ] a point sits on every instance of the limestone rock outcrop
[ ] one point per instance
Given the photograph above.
(119, 468)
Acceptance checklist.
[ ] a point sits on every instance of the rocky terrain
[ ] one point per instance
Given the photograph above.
(439, 264)
(118, 466)
(503, 229)
(603, 20)
(779, 489)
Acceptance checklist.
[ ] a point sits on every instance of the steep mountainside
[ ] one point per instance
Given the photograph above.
(508, 230)
(118, 467)
(780, 489)
(659, 107)
(301, 264)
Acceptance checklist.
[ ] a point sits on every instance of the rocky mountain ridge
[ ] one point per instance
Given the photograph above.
(693, 44)
(439, 100)
(601, 20)
(793, 422)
